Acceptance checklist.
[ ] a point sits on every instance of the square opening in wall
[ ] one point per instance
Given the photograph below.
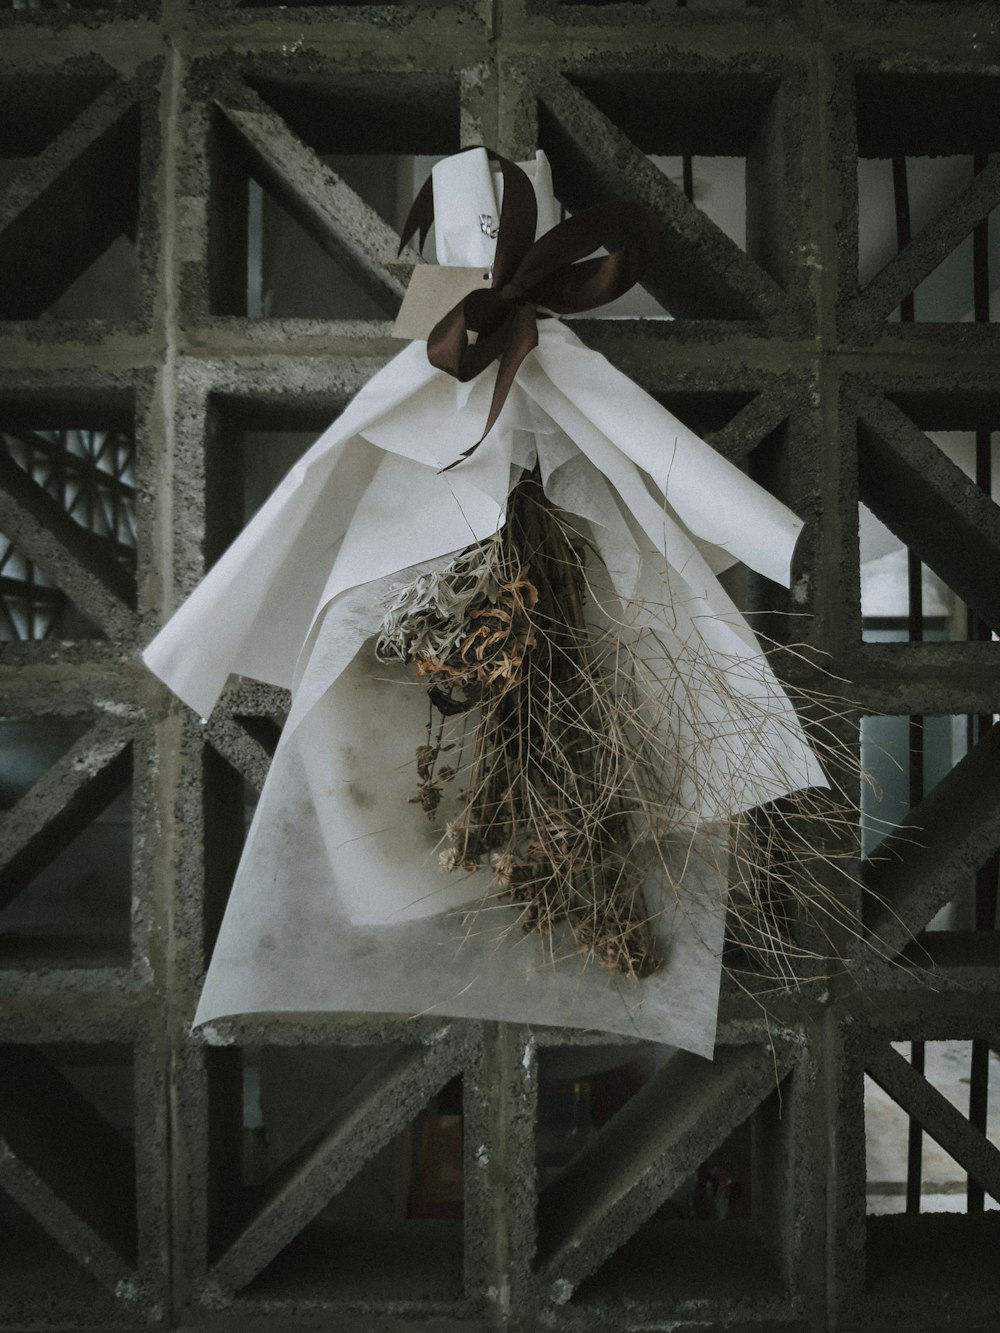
(308, 198)
(71, 501)
(40, 1280)
(700, 154)
(928, 230)
(932, 1132)
(908, 1169)
(68, 244)
(903, 759)
(917, 455)
(35, 110)
(902, 599)
(252, 442)
(931, 866)
(579, 1089)
(349, 1175)
(721, 1240)
(906, 198)
(291, 274)
(378, 111)
(33, 606)
(67, 1120)
(700, 1221)
(67, 882)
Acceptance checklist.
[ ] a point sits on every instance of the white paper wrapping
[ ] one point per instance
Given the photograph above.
(339, 902)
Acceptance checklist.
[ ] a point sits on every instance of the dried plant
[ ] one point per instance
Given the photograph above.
(572, 778)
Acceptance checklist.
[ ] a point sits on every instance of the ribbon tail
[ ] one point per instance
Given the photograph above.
(420, 216)
(522, 340)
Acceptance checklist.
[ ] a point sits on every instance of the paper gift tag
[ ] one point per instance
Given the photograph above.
(434, 289)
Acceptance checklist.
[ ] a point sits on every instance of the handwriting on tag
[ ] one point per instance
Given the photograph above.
(434, 289)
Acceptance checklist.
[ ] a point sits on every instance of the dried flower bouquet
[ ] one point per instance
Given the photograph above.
(604, 755)
(555, 785)
(567, 764)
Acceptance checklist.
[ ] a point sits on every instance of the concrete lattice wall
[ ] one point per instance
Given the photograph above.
(121, 1133)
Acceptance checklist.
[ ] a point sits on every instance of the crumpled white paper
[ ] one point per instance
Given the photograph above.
(339, 902)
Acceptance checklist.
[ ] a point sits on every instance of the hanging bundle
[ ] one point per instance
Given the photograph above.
(605, 761)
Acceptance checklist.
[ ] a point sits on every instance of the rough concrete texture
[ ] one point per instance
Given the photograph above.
(149, 119)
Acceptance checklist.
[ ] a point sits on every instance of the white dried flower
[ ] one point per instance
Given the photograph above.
(502, 864)
(427, 616)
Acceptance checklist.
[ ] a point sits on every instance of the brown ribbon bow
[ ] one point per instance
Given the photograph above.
(552, 272)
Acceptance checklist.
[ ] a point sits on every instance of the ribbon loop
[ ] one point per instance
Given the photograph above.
(553, 272)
